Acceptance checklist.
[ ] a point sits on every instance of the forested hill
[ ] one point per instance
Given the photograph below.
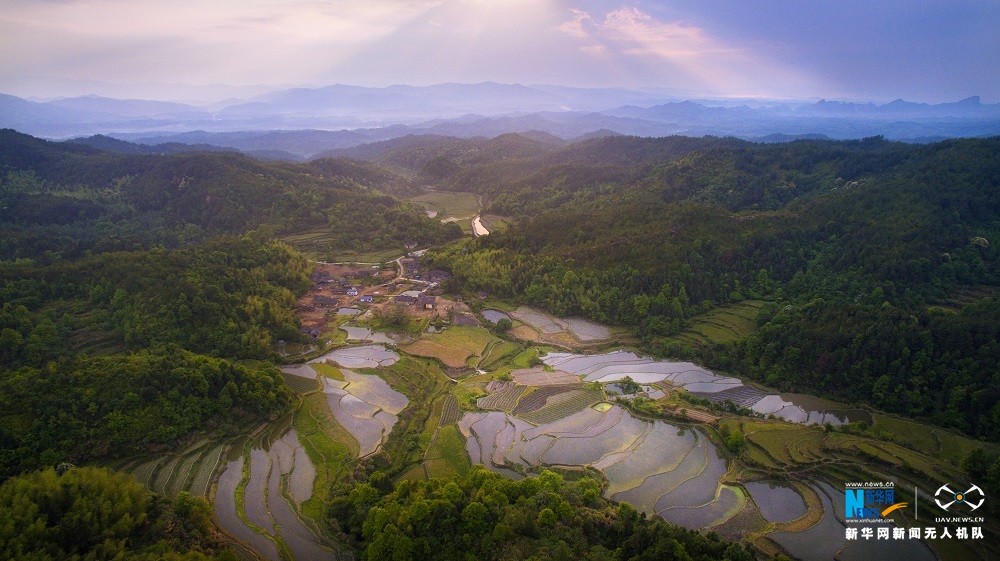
(130, 284)
(881, 258)
(65, 198)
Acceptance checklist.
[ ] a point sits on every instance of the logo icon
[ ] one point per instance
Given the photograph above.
(973, 497)
(871, 503)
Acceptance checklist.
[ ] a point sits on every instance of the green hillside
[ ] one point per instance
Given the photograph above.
(853, 241)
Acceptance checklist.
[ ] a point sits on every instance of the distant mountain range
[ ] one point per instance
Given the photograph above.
(300, 123)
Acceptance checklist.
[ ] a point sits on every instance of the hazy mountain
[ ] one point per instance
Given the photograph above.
(128, 107)
(114, 145)
(304, 122)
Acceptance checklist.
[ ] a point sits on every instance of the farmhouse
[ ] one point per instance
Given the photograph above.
(438, 275)
(312, 331)
(426, 302)
(367, 298)
(320, 276)
(404, 299)
(321, 300)
(353, 291)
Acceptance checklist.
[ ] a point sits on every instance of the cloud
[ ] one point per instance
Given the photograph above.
(574, 27)
(636, 32)
(677, 53)
(664, 39)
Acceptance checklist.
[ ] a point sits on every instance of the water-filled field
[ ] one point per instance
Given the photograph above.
(277, 478)
(614, 366)
(494, 316)
(658, 467)
(538, 376)
(227, 515)
(367, 335)
(368, 356)
(819, 543)
(777, 503)
(366, 407)
(583, 330)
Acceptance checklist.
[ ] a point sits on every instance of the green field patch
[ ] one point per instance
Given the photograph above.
(722, 324)
(602, 406)
(495, 223)
(920, 437)
(163, 475)
(369, 256)
(905, 458)
(300, 384)
(446, 455)
(806, 446)
(180, 480)
(502, 400)
(316, 244)
(563, 405)
(328, 446)
(453, 347)
(328, 370)
(143, 473)
(759, 456)
(449, 410)
(955, 448)
(774, 442)
(498, 354)
(449, 204)
(537, 396)
(203, 475)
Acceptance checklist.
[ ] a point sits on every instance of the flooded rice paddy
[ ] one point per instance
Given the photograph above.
(657, 467)
(614, 366)
(583, 330)
(366, 406)
(367, 335)
(369, 356)
(494, 316)
(817, 543)
(777, 503)
(280, 477)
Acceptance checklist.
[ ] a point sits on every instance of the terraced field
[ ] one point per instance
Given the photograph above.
(497, 353)
(568, 331)
(544, 417)
(171, 474)
(502, 399)
(563, 405)
(300, 384)
(615, 366)
(793, 446)
(450, 204)
(722, 324)
(454, 346)
(539, 395)
(326, 444)
(929, 440)
(538, 376)
(449, 410)
(260, 505)
(366, 407)
(660, 468)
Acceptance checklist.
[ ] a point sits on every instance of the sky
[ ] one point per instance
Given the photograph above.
(919, 50)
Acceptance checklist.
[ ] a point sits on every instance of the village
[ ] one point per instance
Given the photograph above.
(343, 291)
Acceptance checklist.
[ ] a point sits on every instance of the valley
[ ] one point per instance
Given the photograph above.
(517, 406)
(330, 364)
